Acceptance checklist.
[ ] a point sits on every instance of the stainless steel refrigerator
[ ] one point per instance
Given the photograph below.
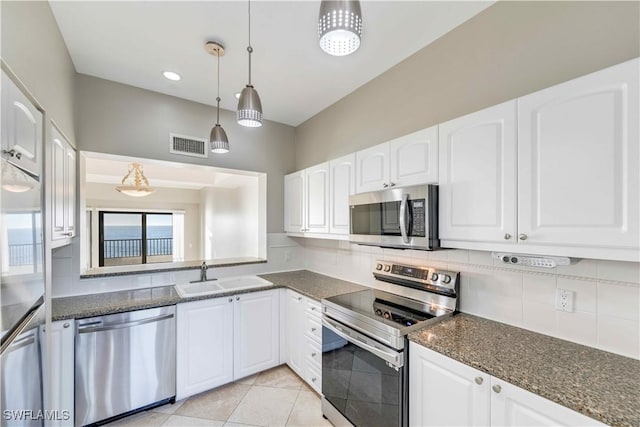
(21, 295)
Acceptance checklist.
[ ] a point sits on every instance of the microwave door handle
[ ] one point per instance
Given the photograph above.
(403, 218)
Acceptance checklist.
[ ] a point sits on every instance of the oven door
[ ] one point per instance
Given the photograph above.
(362, 379)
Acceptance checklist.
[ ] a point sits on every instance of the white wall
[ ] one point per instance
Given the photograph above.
(231, 221)
(607, 293)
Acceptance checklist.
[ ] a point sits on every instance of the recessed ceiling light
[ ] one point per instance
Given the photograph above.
(237, 95)
(171, 75)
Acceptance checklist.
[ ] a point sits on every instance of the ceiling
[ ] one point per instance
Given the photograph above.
(134, 42)
(110, 169)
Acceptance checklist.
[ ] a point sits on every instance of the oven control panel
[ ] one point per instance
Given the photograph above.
(416, 276)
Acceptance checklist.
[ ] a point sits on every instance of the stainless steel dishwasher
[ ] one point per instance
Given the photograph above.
(125, 362)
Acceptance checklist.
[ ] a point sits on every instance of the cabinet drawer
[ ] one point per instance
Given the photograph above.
(314, 308)
(313, 328)
(313, 353)
(313, 377)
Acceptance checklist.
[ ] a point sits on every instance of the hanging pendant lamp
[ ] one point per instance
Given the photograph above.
(249, 105)
(137, 185)
(340, 26)
(218, 141)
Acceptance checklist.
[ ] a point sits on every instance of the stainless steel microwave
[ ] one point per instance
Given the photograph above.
(405, 218)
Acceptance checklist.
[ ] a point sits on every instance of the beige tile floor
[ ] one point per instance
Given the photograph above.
(277, 397)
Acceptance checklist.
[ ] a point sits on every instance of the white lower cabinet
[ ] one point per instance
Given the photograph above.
(223, 339)
(303, 334)
(59, 396)
(445, 392)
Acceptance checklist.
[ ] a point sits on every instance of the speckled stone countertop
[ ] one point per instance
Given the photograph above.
(312, 285)
(598, 384)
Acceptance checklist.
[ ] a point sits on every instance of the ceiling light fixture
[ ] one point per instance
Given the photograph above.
(218, 141)
(13, 179)
(340, 26)
(170, 75)
(249, 105)
(138, 185)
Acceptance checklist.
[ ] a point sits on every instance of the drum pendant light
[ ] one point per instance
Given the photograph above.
(249, 105)
(340, 26)
(218, 141)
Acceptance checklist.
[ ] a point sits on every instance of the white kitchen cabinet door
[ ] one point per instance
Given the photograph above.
(21, 128)
(294, 320)
(478, 176)
(444, 392)
(317, 198)
(63, 187)
(372, 168)
(59, 395)
(513, 406)
(204, 356)
(342, 174)
(256, 329)
(414, 158)
(294, 202)
(578, 161)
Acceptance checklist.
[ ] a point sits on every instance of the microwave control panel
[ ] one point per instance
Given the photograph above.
(418, 217)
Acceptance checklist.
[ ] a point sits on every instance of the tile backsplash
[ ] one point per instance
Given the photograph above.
(606, 293)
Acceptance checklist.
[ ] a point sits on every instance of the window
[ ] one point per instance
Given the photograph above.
(128, 238)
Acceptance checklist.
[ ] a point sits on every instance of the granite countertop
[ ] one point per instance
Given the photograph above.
(601, 385)
(312, 285)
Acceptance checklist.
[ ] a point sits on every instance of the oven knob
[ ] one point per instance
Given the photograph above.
(378, 312)
(446, 278)
(387, 268)
(387, 315)
(378, 266)
(434, 277)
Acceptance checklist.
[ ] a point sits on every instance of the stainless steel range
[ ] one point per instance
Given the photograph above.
(364, 360)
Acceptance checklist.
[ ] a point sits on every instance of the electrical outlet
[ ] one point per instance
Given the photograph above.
(564, 300)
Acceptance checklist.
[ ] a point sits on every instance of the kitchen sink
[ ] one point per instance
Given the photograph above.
(227, 284)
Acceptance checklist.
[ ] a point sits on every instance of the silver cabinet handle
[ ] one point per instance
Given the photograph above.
(392, 184)
(479, 380)
(385, 185)
(522, 237)
(237, 298)
(507, 236)
(299, 298)
(497, 388)
(313, 379)
(313, 329)
(66, 325)
(313, 354)
(69, 234)
(230, 299)
(313, 309)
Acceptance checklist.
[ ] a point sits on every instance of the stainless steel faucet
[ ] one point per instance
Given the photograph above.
(203, 271)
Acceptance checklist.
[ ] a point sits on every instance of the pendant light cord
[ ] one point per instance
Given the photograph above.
(249, 48)
(218, 95)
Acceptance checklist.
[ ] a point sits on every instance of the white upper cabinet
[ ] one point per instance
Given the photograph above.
(414, 158)
(372, 168)
(342, 174)
(317, 199)
(63, 187)
(21, 128)
(478, 176)
(578, 181)
(294, 202)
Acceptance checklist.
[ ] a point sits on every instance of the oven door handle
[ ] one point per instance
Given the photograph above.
(403, 218)
(394, 358)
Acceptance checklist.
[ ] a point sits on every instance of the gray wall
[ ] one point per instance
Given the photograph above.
(508, 50)
(120, 119)
(33, 48)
